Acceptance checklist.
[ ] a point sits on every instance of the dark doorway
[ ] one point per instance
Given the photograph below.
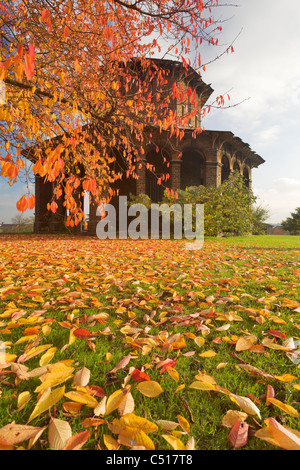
(225, 169)
(192, 169)
(157, 169)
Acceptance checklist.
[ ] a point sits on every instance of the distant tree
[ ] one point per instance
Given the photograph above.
(260, 214)
(22, 222)
(292, 223)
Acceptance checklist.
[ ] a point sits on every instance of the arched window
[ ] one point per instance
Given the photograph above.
(236, 167)
(192, 169)
(225, 169)
(246, 177)
(156, 172)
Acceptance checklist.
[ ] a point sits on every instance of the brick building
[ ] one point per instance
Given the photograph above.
(207, 158)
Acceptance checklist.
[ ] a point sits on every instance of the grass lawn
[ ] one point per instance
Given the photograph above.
(126, 344)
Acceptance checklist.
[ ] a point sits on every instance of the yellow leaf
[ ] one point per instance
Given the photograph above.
(127, 405)
(99, 409)
(173, 373)
(202, 377)
(284, 407)
(82, 396)
(199, 385)
(279, 435)
(246, 404)
(221, 365)
(23, 399)
(12, 433)
(110, 442)
(34, 352)
(57, 373)
(26, 339)
(46, 330)
(115, 400)
(285, 378)
(269, 343)
(46, 401)
(150, 388)
(6, 357)
(167, 425)
(59, 433)
(180, 387)
(47, 357)
(209, 353)
(176, 443)
(231, 416)
(133, 421)
(82, 377)
(199, 341)
(135, 437)
(183, 423)
(245, 343)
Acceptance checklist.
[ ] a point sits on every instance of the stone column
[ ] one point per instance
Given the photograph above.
(175, 174)
(141, 181)
(213, 174)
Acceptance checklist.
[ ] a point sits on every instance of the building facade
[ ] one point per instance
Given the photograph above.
(207, 158)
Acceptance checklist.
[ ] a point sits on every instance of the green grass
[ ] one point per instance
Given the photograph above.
(148, 278)
(262, 241)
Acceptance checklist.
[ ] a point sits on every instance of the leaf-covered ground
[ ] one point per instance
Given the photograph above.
(126, 344)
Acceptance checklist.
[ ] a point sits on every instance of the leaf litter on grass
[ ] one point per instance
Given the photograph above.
(102, 339)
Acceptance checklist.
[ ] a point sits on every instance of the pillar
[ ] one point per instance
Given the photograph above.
(175, 174)
(213, 174)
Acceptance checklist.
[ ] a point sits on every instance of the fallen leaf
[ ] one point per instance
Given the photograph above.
(150, 388)
(238, 436)
(58, 434)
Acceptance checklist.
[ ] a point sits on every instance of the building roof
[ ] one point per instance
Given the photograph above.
(238, 144)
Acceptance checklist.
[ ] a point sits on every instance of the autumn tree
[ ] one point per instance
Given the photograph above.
(78, 82)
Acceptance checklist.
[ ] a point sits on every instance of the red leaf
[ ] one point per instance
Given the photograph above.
(45, 14)
(270, 394)
(77, 441)
(20, 50)
(82, 333)
(22, 204)
(277, 334)
(31, 201)
(97, 391)
(238, 435)
(123, 363)
(31, 52)
(169, 363)
(139, 376)
(53, 207)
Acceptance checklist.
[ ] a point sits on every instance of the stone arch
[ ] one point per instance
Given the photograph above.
(246, 176)
(225, 170)
(193, 168)
(236, 166)
(157, 169)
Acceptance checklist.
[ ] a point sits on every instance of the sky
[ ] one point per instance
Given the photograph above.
(262, 77)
